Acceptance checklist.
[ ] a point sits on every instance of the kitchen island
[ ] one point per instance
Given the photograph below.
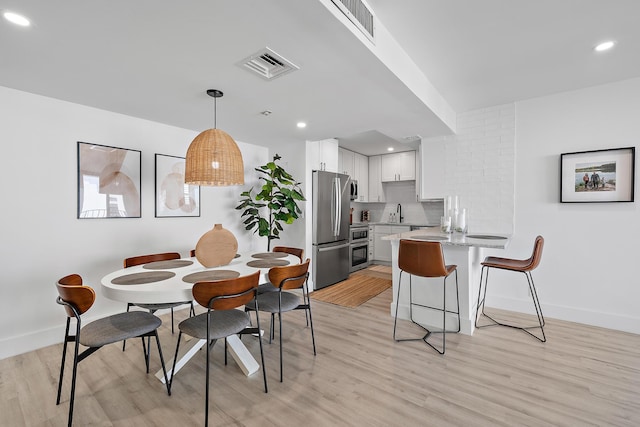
(463, 250)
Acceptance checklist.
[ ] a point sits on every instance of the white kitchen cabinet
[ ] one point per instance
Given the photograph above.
(432, 171)
(382, 248)
(361, 173)
(376, 192)
(346, 162)
(398, 166)
(324, 155)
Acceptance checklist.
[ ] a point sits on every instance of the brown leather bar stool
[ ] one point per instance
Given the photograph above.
(524, 266)
(425, 259)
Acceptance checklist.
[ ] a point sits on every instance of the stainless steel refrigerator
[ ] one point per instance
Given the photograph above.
(331, 203)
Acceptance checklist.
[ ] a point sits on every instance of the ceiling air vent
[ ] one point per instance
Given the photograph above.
(358, 13)
(268, 64)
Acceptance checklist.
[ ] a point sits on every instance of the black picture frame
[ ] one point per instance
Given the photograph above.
(174, 198)
(108, 182)
(598, 176)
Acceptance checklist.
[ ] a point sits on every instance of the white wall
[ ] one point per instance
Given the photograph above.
(589, 270)
(41, 238)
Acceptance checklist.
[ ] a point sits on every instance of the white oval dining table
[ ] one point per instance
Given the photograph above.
(172, 281)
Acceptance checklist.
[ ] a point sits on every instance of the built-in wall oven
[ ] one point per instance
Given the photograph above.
(358, 247)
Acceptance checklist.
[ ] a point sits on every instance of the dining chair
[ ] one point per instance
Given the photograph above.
(425, 259)
(221, 298)
(145, 259)
(285, 278)
(525, 266)
(268, 286)
(77, 299)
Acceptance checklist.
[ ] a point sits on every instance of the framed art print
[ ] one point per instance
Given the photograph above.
(108, 181)
(174, 198)
(598, 176)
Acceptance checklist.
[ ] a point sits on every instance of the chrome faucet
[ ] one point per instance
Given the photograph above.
(399, 211)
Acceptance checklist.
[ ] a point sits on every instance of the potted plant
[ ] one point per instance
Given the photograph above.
(279, 194)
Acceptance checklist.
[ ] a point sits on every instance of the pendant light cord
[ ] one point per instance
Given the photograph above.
(215, 113)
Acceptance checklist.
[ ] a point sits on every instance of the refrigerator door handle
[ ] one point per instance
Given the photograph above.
(338, 205)
(331, 248)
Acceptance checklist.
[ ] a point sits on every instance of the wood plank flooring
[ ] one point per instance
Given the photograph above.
(582, 376)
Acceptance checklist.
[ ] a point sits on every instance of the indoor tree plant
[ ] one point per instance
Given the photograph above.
(279, 194)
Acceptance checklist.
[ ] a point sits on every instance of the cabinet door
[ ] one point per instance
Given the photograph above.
(376, 193)
(328, 154)
(406, 164)
(361, 172)
(432, 153)
(382, 248)
(388, 168)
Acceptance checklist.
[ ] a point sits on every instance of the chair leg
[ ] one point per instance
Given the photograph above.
(75, 373)
(147, 351)
(175, 358)
(164, 369)
(124, 342)
(280, 336)
(536, 305)
(264, 371)
(64, 357)
(313, 338)
(172, 327)
(225, 351)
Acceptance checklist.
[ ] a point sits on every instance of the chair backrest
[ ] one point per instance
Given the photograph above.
(289, 276)
(292, 251)
(72, 291)
(422, 258)
(227, 294)
(536, 256)
(144, 259)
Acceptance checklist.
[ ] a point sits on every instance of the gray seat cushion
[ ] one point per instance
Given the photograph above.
(266, 287)
(223, 324)
(269, 302)
(118, 327)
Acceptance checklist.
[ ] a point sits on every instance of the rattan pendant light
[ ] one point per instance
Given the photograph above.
(213, 158)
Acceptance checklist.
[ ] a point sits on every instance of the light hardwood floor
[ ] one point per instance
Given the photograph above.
(582, 376)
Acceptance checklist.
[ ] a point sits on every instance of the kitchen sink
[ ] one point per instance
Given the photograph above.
(485, 236)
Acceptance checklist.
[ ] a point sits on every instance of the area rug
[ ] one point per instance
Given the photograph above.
(359, 288)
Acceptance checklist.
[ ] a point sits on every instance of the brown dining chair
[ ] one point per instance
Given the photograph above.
(426, 259)
(221, 298)
(77, 299)
(145, 259)
(285, 278)
(268, 287)
(525, 266)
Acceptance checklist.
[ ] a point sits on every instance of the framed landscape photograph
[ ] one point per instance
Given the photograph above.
(174, 198)
(108, 181)
(598, 176)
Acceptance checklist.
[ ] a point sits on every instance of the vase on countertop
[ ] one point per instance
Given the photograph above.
(216, 247)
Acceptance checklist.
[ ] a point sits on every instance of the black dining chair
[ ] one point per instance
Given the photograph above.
(77, 299)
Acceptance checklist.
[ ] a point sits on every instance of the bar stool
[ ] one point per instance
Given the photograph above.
(524, 266)
(425, 259)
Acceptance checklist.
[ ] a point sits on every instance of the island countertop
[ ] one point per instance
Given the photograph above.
(479, 240)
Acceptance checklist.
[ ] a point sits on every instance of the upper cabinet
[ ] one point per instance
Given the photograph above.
(345, 162)
(376, 192)
(361, 172)
(398, 166)
(433, 169)
(357, 167)
(325, 155)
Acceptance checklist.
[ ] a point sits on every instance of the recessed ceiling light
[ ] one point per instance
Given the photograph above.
(301, 125)
(390, 149)
(604, 46)
(16, 19)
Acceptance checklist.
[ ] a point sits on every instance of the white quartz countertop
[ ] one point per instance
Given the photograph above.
(481, 240)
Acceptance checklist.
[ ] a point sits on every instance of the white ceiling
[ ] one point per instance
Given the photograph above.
(155, 59)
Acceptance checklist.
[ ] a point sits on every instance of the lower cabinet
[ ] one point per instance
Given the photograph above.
(382, 248)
